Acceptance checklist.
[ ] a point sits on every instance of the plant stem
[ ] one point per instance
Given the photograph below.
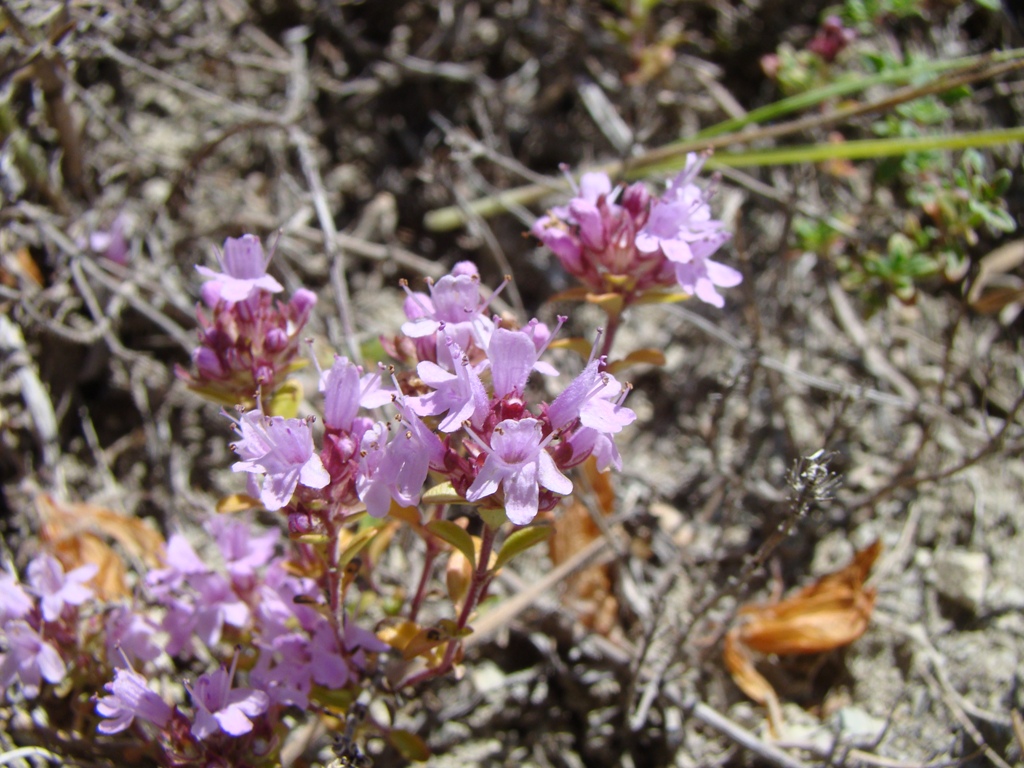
(477, 588)
(428, 565)
(614, 320)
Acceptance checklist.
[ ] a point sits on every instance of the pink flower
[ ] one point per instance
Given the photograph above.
(516, 460)
(112, 243)
(130, 698)
(373, 479)
(345, 389)
(621, 241)
(219, 707)
(681, 227)
(29, 658)
(57, 589)
(454, 303)
(243, 551)
(282, 451)
(129, 634)
(461, 394)
(14, 601)
(512, 355)
(244, 272)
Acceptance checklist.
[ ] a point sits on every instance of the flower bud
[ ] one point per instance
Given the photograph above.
(275, 340)
(208, 363)
(302, 304)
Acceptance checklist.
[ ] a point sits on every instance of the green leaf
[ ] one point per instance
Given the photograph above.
(494, 517)
(286, 399)
(357, 545)
(448, 531)
(409, 745)
(521, 540)
(662, 297)
(444, 493)
(646, 356)
(337, 700)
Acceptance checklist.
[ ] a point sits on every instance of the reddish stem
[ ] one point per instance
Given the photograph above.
(609, 333)
(477, 587)
(421, 590)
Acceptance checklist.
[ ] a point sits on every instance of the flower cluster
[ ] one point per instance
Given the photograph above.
(248, 341)
(272, 614)
(37, 621)
(185, 612)
(624, 241)
(463, 417)
(256, 597)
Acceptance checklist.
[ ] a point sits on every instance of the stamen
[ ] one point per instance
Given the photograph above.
(404, 284)
(564, 168)
(494, 294)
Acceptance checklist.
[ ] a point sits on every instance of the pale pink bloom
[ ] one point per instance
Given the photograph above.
(244, 272)
(130, 698)
(518, 463)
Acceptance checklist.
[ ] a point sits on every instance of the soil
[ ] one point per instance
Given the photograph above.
(193, 121)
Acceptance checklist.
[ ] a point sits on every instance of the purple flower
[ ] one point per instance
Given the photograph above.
(701, 276)
(512, 355)
(276, 607)
(282, 450)
(372, 484)
(414, 449)
(345, 390)
(57, 589)
(29, 658)
(396, 469)
(182, 562)
(219, 707)
(217, 605)
(129, 634)
(179, 623)
(130, 698)
(595, 400)
(329, 667)
(585, 442)
(359, 641)
(243, 552)
(283, 671)
(111, 243)
(680, 227)
(244, 272)
(516, 460)
(15, 603)
(455, 303)
(461, 394)
(617, 240)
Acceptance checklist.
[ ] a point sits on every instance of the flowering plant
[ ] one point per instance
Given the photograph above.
(454, 442)
(628, 247)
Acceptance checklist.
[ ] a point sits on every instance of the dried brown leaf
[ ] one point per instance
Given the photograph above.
(62, 520)
(1001, 261)
(110, 582)
(589, 590)
(831, 613)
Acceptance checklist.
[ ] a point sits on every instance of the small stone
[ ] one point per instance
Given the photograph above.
(487, 677)
(961, 576)
(858, 726)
